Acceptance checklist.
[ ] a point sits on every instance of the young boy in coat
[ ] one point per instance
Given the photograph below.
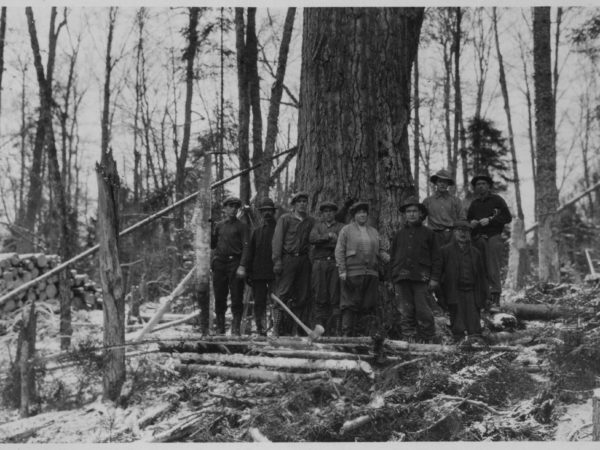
(463, 282)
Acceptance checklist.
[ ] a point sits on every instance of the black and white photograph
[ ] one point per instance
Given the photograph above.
(299, 223)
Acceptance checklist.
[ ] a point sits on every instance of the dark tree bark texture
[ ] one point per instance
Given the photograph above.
(355, 99)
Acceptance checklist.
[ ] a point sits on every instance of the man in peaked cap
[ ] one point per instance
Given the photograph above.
(324, 278)
(487, 214)
(291, 264)
(259, 264)
(463, 282)
(443, 208)
(229, 241)
(415, 270)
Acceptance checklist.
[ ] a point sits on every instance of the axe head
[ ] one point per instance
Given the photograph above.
(316, 333)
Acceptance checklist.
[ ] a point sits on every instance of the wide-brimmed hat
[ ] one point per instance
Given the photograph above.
(299, 195)
(328, 205)
(358, 206)
(266, 203)
(442, 175)
(482, 176)
(461, 224)
(413, 201)
(234, 201)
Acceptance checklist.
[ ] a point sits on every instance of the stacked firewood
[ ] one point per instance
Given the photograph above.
(16, 270)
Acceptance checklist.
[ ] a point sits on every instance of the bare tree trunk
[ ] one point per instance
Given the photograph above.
(458, 127)
(446, 106)
(221, 157)
(24, 360)
(417, 122)
(352, 132)
(189, 56)
(137, 156)
(254, 86)
(263, 174)
(529, 116)
(546, 192)
(518, 261)
(107, 235)
(2, 41)
(244, 105)
(65, 293)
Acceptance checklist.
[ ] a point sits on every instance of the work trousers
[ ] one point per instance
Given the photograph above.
(293, 287)
(358, 296)
(492, 250)
(326, 292)
(225, 282)
(464, 316)
(260, 292)
(416, 318)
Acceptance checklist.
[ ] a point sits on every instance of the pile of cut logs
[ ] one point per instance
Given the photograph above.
(16, 270)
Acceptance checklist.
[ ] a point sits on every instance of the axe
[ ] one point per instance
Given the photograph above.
(313, 335)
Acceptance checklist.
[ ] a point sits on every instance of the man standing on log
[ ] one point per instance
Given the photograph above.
(443, 208)
(290, 260)
(463, 282)
(415, 270)
(229, 240)
(487, 215)
(325, 278)
(259, 264)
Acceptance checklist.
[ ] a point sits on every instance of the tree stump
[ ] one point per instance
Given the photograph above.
(65, 295)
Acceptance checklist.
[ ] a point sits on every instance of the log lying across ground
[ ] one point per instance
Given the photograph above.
(527, 311)
(244, 374)
(338, 365)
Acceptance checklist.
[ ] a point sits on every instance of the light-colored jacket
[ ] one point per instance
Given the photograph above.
(349, 259)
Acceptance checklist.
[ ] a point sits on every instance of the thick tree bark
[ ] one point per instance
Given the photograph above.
(107, 233)
(262, 175)
(189, 56)
(244, 105)
(2, 40)
(352, 127)
(254, 86)
(546, 192)
(24, 360)
(417, 123)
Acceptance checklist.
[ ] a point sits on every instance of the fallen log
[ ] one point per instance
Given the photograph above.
(257, 436)
(311, 354)
(184, 319)
(154, 414)
(283, 363)
(242, 374)
(527, 311)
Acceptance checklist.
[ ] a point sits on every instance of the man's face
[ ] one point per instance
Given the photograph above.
(461, 235)
(413, 214)
(361, 216)
(482, 187)
(267, 213)
(230, 211)
(442, 185)
(301, 205)
(328, 215)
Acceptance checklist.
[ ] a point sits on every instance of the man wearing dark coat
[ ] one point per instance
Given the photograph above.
(259, 263)
(463, 282)
(487, 215)
(415, 270)
(324, 278)
(229, 241)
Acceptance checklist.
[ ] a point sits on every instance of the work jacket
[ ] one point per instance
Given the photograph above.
(258, 261)
(415, 254)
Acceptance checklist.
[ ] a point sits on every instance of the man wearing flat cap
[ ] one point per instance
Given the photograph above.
(291, 263)
(325, 280)
(259, 263)
(229, 241)
(487, 215)
(443, 208)
(415, 270)
(463, 282)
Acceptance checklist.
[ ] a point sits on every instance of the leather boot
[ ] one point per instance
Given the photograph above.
(347, 323)
(221, 323)
(236, 324)
(260, 329)
(276, 322)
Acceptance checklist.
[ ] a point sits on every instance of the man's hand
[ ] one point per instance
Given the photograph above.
(343, 276)
(474, 223)
(432, 285)
(241, 272)
(484, 222)
(332, 236)
(385, 257)
(277, 267)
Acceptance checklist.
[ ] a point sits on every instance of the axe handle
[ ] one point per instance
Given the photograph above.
(294, 316)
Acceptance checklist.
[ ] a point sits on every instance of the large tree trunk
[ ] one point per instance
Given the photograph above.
(417, 123)
(546, 193)
(352, 127)
(254, 86)
(107, 232)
